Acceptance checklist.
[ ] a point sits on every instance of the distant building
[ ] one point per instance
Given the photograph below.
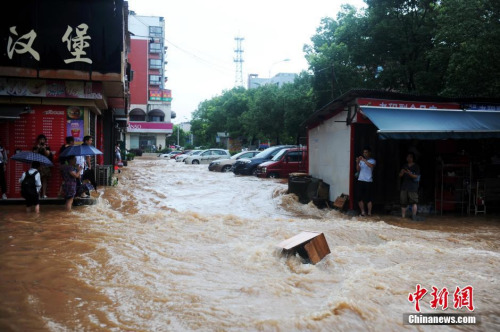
(150, 103)
(254, 81)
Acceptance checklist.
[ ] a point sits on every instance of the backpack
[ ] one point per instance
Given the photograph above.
(28, 186)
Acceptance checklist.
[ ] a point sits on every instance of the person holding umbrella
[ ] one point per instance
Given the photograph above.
(42, 148)
(35, 160)
(70, 173)
(30, 187)
(83, 152)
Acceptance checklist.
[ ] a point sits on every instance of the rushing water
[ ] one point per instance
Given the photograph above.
(175, 247)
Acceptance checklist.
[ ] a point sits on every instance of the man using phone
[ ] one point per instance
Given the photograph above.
(364, 166)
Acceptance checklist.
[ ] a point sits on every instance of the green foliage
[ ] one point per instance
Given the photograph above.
(172, 139)
(435, 47)
(266, 113)
(467, 44)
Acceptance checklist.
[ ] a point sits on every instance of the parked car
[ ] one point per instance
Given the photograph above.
(206, 156)
(169, 155)
(224, 165)
(285, 162)
(249, 166)
(183, 156)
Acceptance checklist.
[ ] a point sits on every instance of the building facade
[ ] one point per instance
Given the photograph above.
(454, 140)
(62, 73)
(149, 118)
(254, 81)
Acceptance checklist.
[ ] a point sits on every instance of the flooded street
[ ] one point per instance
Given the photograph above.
(175, 247)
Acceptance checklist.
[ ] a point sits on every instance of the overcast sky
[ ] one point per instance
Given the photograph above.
(200, 38)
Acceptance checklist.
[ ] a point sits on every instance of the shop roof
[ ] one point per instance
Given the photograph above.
(349, 97)
(425, 124)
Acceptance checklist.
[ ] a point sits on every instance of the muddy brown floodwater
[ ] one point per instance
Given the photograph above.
(175, 247)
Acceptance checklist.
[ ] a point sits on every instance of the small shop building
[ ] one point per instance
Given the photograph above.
(456, 142)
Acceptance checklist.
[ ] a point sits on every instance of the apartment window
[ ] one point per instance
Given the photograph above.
(155, 48)
(155, 32)
(154, 79)
(154, 64)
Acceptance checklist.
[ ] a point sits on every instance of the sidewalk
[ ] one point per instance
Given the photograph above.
(50, 201)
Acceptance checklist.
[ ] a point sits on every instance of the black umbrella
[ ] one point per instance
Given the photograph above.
(29, 157)
(80, 150)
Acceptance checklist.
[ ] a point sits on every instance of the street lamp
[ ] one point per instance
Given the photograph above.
(284, 60)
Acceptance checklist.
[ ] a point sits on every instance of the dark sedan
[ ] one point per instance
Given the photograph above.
(249, 166)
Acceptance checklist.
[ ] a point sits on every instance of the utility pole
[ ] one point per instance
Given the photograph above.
(238, 59)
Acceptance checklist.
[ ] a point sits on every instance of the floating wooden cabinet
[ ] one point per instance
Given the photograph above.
(309, 245)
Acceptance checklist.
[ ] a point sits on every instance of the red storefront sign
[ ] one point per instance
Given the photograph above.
(149, 127)
(21, 135)
(422, 105)
(405, 104)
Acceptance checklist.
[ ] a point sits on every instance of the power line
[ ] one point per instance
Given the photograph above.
(215, 66)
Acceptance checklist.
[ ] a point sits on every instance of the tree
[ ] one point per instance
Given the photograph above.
(467, 46)
(338, 57)
(298, 105)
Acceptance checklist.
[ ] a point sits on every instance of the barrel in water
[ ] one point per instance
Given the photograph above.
(298, 184)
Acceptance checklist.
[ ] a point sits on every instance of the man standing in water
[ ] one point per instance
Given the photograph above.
(409, 187)
(364, 166)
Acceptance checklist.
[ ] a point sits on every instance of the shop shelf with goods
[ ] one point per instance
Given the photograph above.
(452, 191)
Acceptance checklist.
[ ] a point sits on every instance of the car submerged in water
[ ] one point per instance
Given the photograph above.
(224, 165)
(293, 160)
(183, 156)
(249, 166)
(206, 156)
(170, 155)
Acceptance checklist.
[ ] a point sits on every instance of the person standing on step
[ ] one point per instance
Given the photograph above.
(364, 166)
(410, 174)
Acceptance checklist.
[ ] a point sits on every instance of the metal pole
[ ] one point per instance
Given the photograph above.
(177, 135)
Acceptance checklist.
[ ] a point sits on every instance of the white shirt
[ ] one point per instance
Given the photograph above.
(80, 160)
(3, 155)
(365, 172)
(38, 182)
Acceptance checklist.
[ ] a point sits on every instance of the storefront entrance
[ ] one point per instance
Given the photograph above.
(457, 176)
